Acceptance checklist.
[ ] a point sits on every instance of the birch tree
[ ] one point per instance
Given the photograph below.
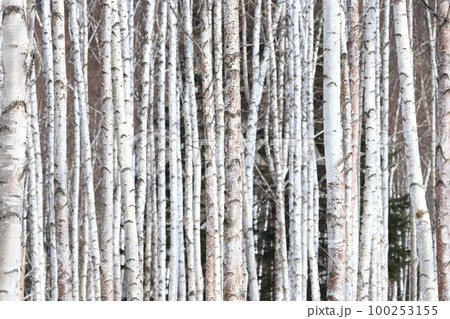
(443, 152)
(428, 284)
(213, 258)
(191, 143)
(121, 120)
(107, 157)
(173, 170)
(13, 120)
(334, 153)
(233, 161)
(50, 138)
(370, 173)
(161, 149)
(61, 195)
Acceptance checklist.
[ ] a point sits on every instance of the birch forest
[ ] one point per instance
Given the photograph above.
(225, 150)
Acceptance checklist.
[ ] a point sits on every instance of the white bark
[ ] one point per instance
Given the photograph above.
(296, 89)
(220, 125)
(443, 154)
(141, 143)
(428, 284)
(385, 46)
(122, 128)
(161, 149)
(50, 154)
(334, 158)
(213, 258)
(370, 183)
(107, 157)
(188, 101)
(191, 118)
(173, 170)
(233, 289)
(61, 195)
(354, 73)
(15, 49)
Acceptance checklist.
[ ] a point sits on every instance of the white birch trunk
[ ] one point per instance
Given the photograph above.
(428, 284)
(191, 117)
(370, 183)
(233, 289)
(220, 125)
(141, 143)
(107, 157)
(188, 100)
(173, 171)
(385, 46)
(354, 78)
(50, 136)
(213, 258)
(61, 195)
(443, 154)
(334, 158)
(122, 127)
(13, 118)
(161, 149)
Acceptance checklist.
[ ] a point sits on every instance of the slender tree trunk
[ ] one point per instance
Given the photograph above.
(233, 289)
(161, 149)
(370, 183)
(334, 153)
(188, 100)
(173, 171)
(142, 151)
(192, 128)
(61, 195)
(354, 71)
(50, 139)
(107, 157)
(428, 284)
(213, 258)
(122, 127)
(385, 47)
(35, 132)
(443, 153)
(13, 120)
(220, 125)
(296, 89)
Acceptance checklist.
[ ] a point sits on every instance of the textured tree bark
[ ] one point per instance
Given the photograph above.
(49, 173)
(443, 152)
(143, 166)
(311, 158)
(13, 120)
(122, 128)
(76, 170)
(142, 140)
(213, 258)
(334, 158)
(191, 122)
(347, 142)
(173, 170)
(161, 150)
(385, 47)
(106, 157)
(39, 266)
(428, 284)
(61, 195)
(353, 44)
(86, 151)
(233, 274)
(370, 183)
(295, 84)
(220, 125)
